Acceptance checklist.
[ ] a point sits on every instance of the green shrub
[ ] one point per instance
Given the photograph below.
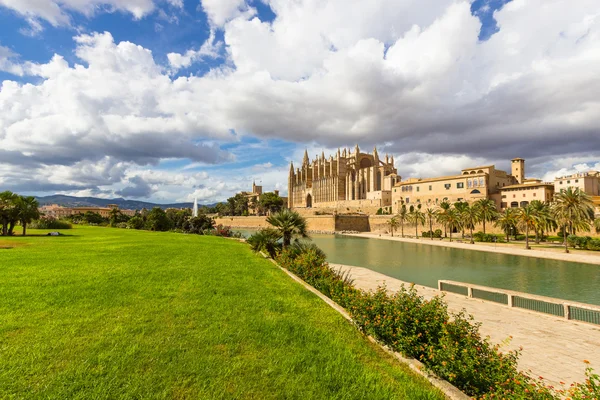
(448, 344)
(590, 389)
(50, 223)
(136, 222)
(437, 233)
(267, 240)
(488, 237)
(593, 244)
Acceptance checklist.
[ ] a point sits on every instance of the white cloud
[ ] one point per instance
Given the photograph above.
(221, 11)
(210, 49)
(409, 74)
(56, 12)
(7, 64)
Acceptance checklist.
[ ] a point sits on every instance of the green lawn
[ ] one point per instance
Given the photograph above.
(109, 313)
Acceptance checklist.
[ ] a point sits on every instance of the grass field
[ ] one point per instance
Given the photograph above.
(119, 314)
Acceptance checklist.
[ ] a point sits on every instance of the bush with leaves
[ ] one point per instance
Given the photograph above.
(135, 222)
(266, 240)
(50, 223)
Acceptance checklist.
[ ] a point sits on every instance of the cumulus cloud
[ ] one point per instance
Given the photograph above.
(56, 12)
(221, 11)
(411, 74)
(8, 62)
(210, 49)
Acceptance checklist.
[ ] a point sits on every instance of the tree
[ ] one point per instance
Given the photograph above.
(28, 210)
(8, 211)
(526, 219)
(470, 215)
(431, 214)
(486, 208)
(460, 207)
(270, 202)
(237, 205)
(114, 217)
(573, 209)
(157, 220)
(266, 239)
(597, 225)
(544, 218)
(289, 224)
(444, 208)
(393, 224)
(199, 224)
(416, 217)
(136, 222)
(402, 216)
(507, 221)
(452, 220)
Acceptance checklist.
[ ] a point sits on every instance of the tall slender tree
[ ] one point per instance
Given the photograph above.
(487, 211)
(393, 225)
(443, 211)
(28, 210)
(461, 207)
(573, 210)
(470, 215)
(430, 214)
(402, 216)
(507, 221)
(416, 217)
(527, 220)
(453, 220)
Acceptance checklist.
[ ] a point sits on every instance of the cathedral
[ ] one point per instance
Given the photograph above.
(348, 182)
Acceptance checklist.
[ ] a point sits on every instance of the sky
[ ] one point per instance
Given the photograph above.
(171, 100)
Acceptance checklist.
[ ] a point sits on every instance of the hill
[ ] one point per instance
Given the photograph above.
(72, 201)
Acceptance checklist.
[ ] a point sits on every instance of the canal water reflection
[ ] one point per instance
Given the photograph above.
(425, 265)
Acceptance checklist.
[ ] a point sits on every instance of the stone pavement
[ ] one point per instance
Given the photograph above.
(553, 348)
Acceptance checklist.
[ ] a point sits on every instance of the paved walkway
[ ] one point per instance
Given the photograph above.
(553, 254)
(552, 347)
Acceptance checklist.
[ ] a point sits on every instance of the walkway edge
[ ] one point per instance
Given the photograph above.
(450, 391)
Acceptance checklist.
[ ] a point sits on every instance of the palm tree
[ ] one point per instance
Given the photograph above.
(452, 220)
(507, 221)
(444, 207)
(416, 217)
(27, 211)
(527, 219)
(289, 224)
(573, 209)
(470, 215)
(544, 218)
(461, 206)
(8, 211)
(597, 225)
(402, 216)
(487, 211)
(393, 224)
(431, 214)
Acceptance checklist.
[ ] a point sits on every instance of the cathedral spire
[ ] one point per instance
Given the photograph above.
(305, 159)
(375, 154)
(292, 168)
(322, 155)
(357, 150)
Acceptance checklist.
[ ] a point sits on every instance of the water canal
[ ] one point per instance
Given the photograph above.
(425, 265)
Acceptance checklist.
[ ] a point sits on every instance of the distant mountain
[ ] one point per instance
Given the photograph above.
(71, 201)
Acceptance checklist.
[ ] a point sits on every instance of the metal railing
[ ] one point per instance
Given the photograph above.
(560, 308)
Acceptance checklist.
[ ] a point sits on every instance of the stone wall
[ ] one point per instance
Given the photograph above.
(315, 223)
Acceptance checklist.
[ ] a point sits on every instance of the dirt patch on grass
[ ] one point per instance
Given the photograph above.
(6, 245)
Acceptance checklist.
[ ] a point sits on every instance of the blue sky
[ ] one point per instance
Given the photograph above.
(234, 90)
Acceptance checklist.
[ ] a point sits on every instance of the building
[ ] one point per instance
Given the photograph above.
(59, 212)
(588, 182)
(254, 197)
(348, 182)
(522, 194)
(470, 185)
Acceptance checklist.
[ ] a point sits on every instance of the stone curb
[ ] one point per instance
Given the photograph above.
(450, 391)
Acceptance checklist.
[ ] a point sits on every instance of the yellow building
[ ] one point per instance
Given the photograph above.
(470, 185)
(59, 212)
(521, 195)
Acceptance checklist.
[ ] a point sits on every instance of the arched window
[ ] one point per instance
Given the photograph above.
(481, 181)
(365, 163)
(469, 183)
(472, 172)
(524, 203)
(514, 204)
(480, 172)
(475, 191)
(466, 173)
(475, 182)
